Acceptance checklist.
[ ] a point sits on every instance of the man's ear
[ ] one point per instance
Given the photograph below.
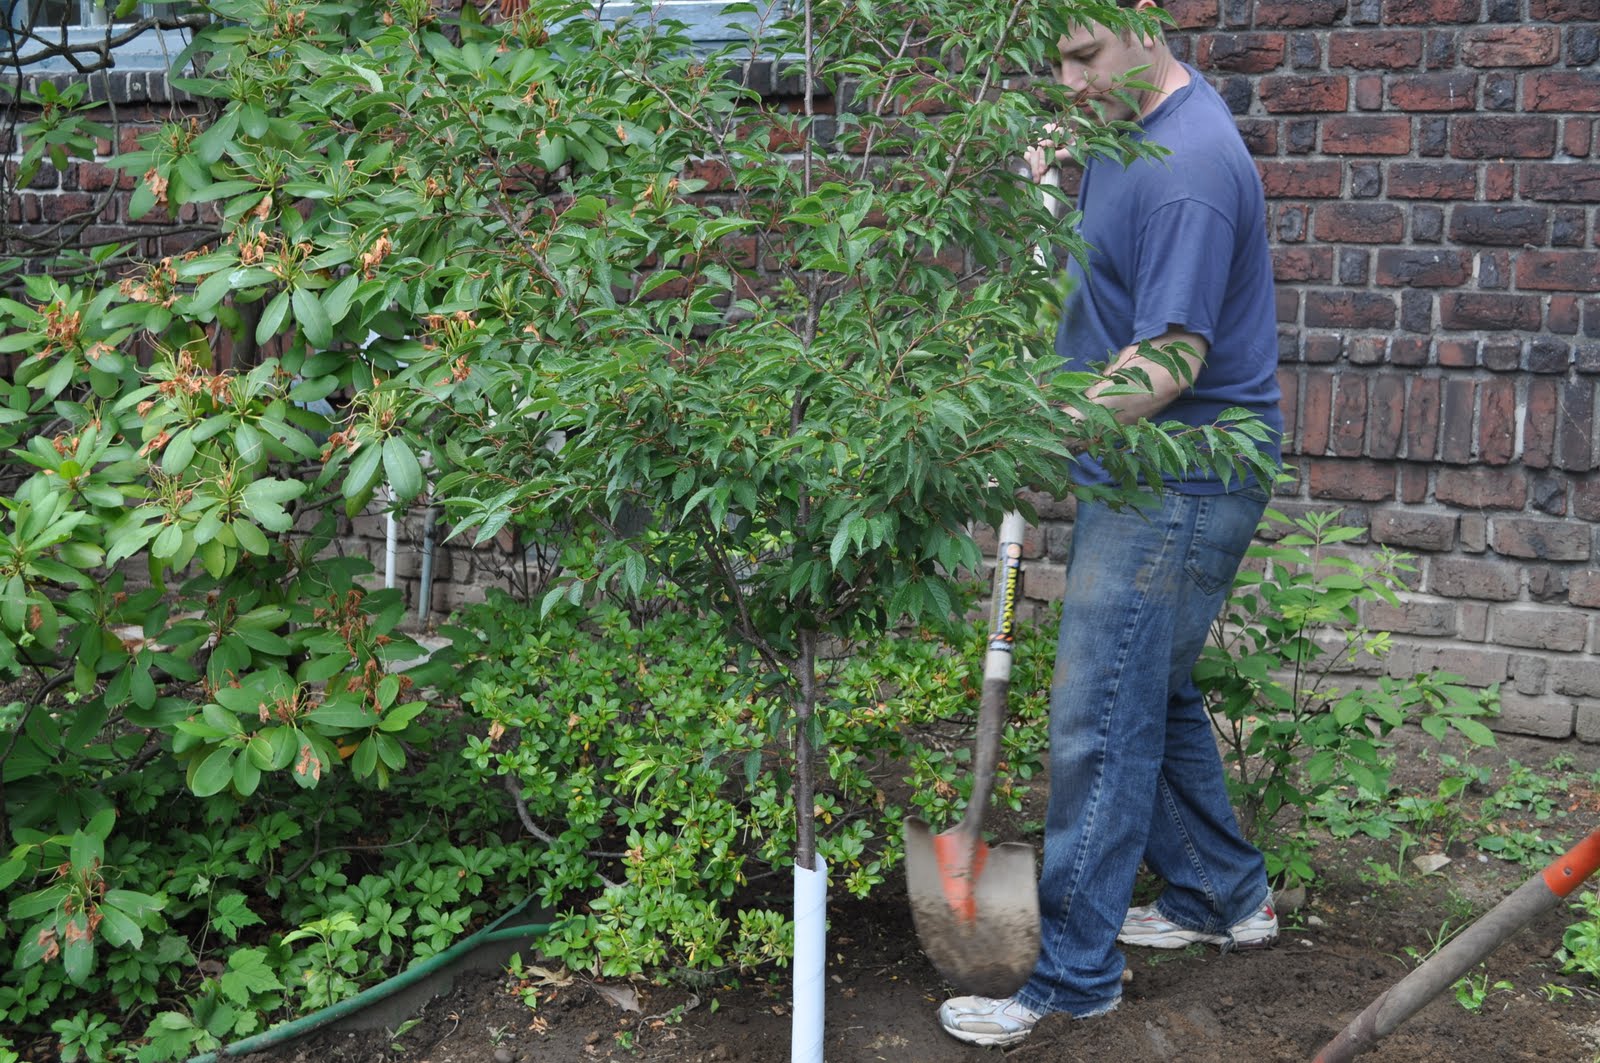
(1145, 7)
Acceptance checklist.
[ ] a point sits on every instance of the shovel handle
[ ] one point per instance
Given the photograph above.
(996, 671)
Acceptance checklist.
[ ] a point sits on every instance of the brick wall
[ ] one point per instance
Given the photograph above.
(1432, 181)
(88, 203)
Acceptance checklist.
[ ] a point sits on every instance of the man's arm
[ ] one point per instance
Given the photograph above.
(1164, 386)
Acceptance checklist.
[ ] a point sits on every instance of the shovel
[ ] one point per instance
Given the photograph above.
(975, 906)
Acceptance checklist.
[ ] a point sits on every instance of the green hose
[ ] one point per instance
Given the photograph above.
(289, 1031)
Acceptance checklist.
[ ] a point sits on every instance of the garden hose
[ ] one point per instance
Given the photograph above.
(279, 1035)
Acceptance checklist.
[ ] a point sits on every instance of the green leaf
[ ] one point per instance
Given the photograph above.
(272, 318)
(250, 538)
(312, 317)
(118, 929)
(77, 949)
(343, 712)
(214, 773)
(248, 973)
(402, 468)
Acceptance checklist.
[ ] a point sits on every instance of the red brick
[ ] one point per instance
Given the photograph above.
(1422, 419)
(1316, 413)
(1503, 137)
(1586, 500)
(1559, 271)
(1289, 94)
(1374, 49)
(1460, 404)
(1457, 354)
(1260, 135)
(1241, 53)
(1575, 182)
(1427, 12)
(1497, 421)
(1432, 180)
(1545, 540)
(1295, 14)
(1499, 182)
(1413, 484)
(1297, 262)
(1561, 91)
(1192, 14)
(1349, 309)
(1488, 310)
(1564, 10)
(1481, 488)
(1576, 137)
(1360, 223)
(1499, 46)
(1410, 350)
(1386, 409)
(1450, 91)
(1575, 426)
(1561, 314)
(1453, 577)
(1369, 92)
(1584, 590)
(1301, 179)
(1413, 530)
(1423, 267)
(1539, 424)
(1499, 226)
(1366, 135)
(1287, 304)
(1538, 628)
(1288, 403)
(1362, 481)
(1349, 415)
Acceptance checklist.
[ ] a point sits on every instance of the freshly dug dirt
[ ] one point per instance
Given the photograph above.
(1338, 951)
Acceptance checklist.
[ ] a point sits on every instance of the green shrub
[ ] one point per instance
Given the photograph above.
(1291, 630)
(653, 764)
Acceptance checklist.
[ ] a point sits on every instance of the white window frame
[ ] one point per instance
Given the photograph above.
(151, 50)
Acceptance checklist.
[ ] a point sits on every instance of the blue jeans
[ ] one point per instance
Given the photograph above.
(1134, 768)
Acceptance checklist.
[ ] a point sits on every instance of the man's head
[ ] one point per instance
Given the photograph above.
(1093, 59)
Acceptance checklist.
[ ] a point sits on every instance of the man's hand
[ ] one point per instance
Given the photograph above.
(1052, 151)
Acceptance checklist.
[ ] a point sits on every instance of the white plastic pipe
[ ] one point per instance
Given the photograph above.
(810, 962)
(389, 538)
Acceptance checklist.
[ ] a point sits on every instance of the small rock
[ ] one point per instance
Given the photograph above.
(720, 1051)
(1127, 976)
(1315, 920)
(1430, 862)
(592, 1037)
(1291, 900)
(504, 1055)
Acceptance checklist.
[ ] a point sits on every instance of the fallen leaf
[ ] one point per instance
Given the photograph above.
(622, 996)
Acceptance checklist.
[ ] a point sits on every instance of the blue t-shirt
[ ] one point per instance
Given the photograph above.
(1180, 241)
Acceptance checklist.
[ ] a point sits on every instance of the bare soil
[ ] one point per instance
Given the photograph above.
(1341, 948)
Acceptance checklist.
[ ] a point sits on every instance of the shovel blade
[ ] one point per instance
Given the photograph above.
(977, 919)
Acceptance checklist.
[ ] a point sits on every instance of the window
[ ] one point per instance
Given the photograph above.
(706, 21)
(39, 27)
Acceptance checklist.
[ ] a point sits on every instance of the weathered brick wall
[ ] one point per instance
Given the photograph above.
(1432, 182)
(88, 202)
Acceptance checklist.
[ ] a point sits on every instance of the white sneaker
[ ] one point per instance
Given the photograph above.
(1146, 927)
(986, 1021)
